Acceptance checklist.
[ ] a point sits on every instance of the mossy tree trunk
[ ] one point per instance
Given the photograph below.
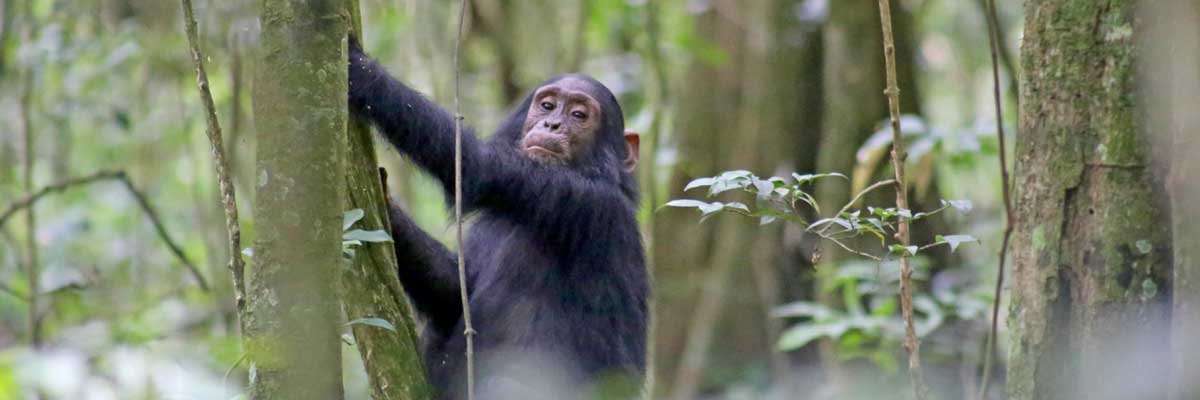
(370, 287)
(293, 326)
(1092, 249)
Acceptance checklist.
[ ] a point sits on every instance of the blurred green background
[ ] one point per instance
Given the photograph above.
(772, 86)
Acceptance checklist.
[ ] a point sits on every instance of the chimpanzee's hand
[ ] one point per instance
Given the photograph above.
(360, 67)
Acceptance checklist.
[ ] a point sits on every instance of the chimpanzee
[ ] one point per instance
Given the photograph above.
(555, 267)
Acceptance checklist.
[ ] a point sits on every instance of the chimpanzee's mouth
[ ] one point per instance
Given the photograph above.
(542, 151)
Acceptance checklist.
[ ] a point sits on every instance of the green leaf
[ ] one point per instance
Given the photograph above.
(376, 322)
(802, 309)
(808, 199)
(962, 206)
(899, 249)
(375, 236)
(763, 188)
(802, 179)
(736, 205)
(954, 240)
(686, 203)
(350, 217)
(711, 208)
(800, 335)
(701, 182)
(735, 174)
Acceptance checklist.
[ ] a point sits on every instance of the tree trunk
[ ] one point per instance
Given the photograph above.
(1091, 250)
(300, 118)
(370, 288)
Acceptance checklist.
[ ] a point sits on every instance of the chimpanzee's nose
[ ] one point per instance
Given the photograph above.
(552, 125)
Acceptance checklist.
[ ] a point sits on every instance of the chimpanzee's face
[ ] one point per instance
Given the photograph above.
(562, 122)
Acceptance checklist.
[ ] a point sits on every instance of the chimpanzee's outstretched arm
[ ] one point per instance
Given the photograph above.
(428, 271)
(417, 127)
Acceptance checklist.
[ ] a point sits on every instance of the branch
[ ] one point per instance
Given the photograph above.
(162, 230)
(468, 330)
(228, 198)
(911, 343)
(59, 186)
(143, 203)
(855, 200)
(994, 42)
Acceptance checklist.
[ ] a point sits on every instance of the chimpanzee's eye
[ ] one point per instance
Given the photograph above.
(547, 105)
(579, 114)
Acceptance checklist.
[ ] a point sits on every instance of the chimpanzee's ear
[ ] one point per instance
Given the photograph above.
(632, 141)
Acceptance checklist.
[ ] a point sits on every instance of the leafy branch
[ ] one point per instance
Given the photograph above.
(776, 198)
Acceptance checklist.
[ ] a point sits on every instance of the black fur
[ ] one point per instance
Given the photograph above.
(555, 265)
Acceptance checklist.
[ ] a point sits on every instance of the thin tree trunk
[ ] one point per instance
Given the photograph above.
(292, 330)
(370, 288)
(1091, 250)
(854, 80)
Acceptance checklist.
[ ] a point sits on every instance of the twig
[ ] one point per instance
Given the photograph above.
(994, 42)
(59, 186)
(143, 203)
(228, 197)
(31, 253)
(911, 343)
(855, 200)
(468, 330)
(847, 248)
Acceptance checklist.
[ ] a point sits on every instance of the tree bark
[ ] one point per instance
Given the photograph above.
(301, 120)
(370, 288)
(1092, 249)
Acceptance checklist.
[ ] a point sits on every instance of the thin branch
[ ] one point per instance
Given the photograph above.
(468, 330)
(162, 230)
(143, 203)
(994, 42)
(59, 186)
(847, 248)
(228, 198)
(855, 200)
(911, 343)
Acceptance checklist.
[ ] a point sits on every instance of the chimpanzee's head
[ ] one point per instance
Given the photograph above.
(572, 120)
